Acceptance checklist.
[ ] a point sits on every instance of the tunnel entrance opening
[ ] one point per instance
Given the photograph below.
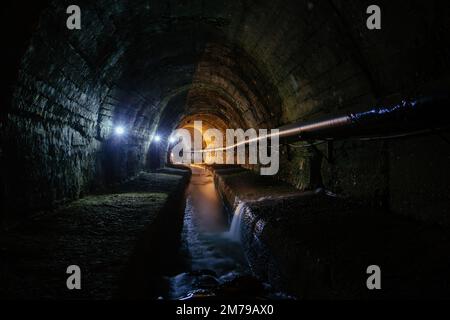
(198, 141)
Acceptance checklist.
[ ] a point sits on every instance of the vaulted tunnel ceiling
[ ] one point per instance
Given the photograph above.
(152, 66)
(139, 56)
(248, 61)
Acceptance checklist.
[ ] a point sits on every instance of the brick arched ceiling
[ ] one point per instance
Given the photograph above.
(149, 65)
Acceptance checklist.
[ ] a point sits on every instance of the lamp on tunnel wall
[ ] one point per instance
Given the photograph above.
(119, 130)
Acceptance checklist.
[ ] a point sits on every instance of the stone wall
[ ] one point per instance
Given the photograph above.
(51, 142)
(316, 245)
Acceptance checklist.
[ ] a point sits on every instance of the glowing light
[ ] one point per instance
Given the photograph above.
(172, 140)
(157, 138)
(119, 130)
(198, 166)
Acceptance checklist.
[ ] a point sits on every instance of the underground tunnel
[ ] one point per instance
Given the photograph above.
(99, 203)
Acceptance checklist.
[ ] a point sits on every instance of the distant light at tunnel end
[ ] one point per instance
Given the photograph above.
(119, 130)
(157, 138)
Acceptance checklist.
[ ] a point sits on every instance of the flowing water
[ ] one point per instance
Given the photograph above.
(235, 229)
(213, 250)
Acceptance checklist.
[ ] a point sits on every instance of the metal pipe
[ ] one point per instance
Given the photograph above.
(403, 117)
(311, 128)
(407, 116)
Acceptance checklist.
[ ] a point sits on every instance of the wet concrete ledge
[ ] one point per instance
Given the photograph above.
(112, 236)
(317, 246)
